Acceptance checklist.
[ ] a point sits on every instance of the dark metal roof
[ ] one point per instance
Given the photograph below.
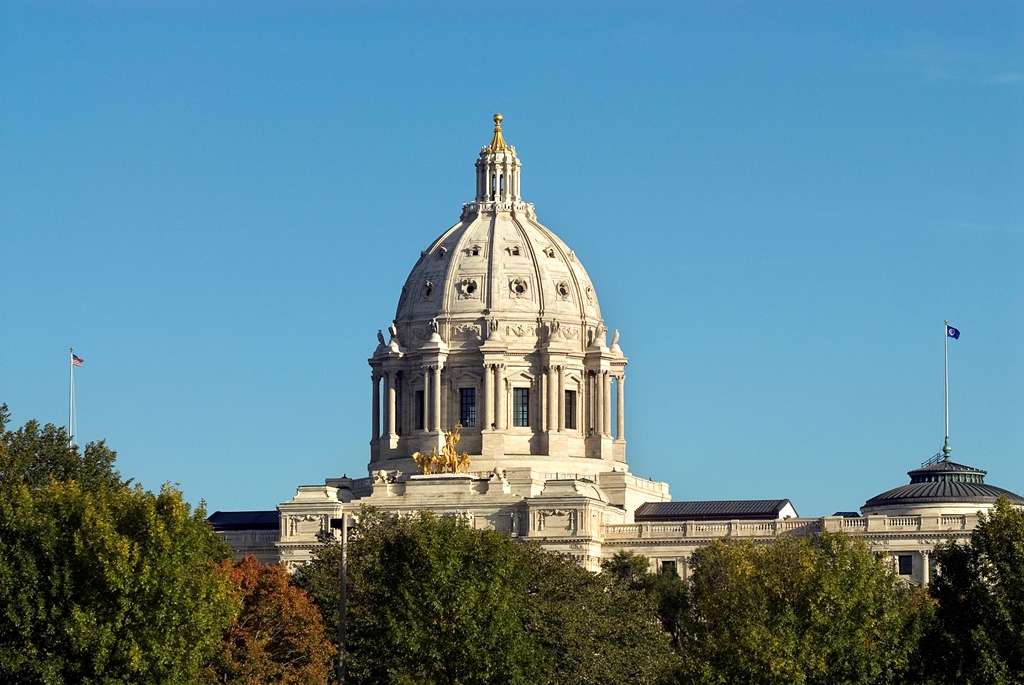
(944, 482)
(943, 492)
(244, 520)
(722, 510)
(942, 469)
(848, 514)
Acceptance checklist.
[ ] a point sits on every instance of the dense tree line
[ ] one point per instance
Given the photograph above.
(434, 601)
(102, 581)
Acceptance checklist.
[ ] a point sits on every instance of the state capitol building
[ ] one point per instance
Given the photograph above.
(498, 330)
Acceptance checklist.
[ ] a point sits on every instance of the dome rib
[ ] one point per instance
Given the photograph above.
(563, 252)
(528, 245)
(452, 270)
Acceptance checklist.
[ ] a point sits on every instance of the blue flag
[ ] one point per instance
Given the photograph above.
(952, 332)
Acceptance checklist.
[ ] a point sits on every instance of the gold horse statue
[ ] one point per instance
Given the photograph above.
(449, 460)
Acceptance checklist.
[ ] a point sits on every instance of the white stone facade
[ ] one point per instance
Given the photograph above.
(498, 328)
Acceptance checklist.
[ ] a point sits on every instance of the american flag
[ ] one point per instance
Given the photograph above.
(76, 360)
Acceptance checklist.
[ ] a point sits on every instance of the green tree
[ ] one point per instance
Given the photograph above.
(435, 601)
(978, 634)
(101, 582)
(594, 630)
(278, 636)
(787, 612)
(34, 455)
(431, 601)
(669, 592)
(629, 568)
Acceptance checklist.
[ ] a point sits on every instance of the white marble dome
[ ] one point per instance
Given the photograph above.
(498, 330)
(500, 269)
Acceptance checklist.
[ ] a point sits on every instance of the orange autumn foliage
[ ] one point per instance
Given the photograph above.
(278, 636)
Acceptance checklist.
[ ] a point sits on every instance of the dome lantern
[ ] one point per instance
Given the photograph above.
(497, 170)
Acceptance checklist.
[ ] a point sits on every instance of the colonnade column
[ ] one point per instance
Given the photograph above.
(385, 404)
(606, 392)
(925, 569)
(392, 394)
(435, 420)
(561, 398)
(488, 398)
(426, 401)
(620, 408)
(598, 404)
(552, 399)
(499, 391)
(376, 405)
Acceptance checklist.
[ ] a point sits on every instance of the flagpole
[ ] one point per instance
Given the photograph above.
(71, 397)
(945, 339)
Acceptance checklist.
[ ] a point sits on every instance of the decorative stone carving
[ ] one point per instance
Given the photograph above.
(380, 337)
(589, 292)
(569, 332)
(294, 522)
(563, 291)
(468, 289)
(518, 288)
(519, 330)
(550, 252)
(428, 288)
(466, 331)
(568, 515)
(441, 252)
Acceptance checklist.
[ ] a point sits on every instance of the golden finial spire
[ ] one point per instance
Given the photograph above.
(498, 142)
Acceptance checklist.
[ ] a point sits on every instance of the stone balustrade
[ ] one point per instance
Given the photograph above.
(250, 538)
(797, 526)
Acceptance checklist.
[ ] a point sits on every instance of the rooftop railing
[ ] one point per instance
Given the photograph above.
(795, 526)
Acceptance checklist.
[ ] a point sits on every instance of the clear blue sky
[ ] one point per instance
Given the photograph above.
(217, 204)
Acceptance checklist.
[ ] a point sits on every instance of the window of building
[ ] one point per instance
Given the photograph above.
(520, 406)
(420, 413)
(570, 409)
(906, 563)
(668, 567)
(468, 413)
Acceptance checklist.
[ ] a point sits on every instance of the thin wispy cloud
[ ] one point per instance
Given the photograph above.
(1008, 77)
(1014, 230)
(931, 66)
